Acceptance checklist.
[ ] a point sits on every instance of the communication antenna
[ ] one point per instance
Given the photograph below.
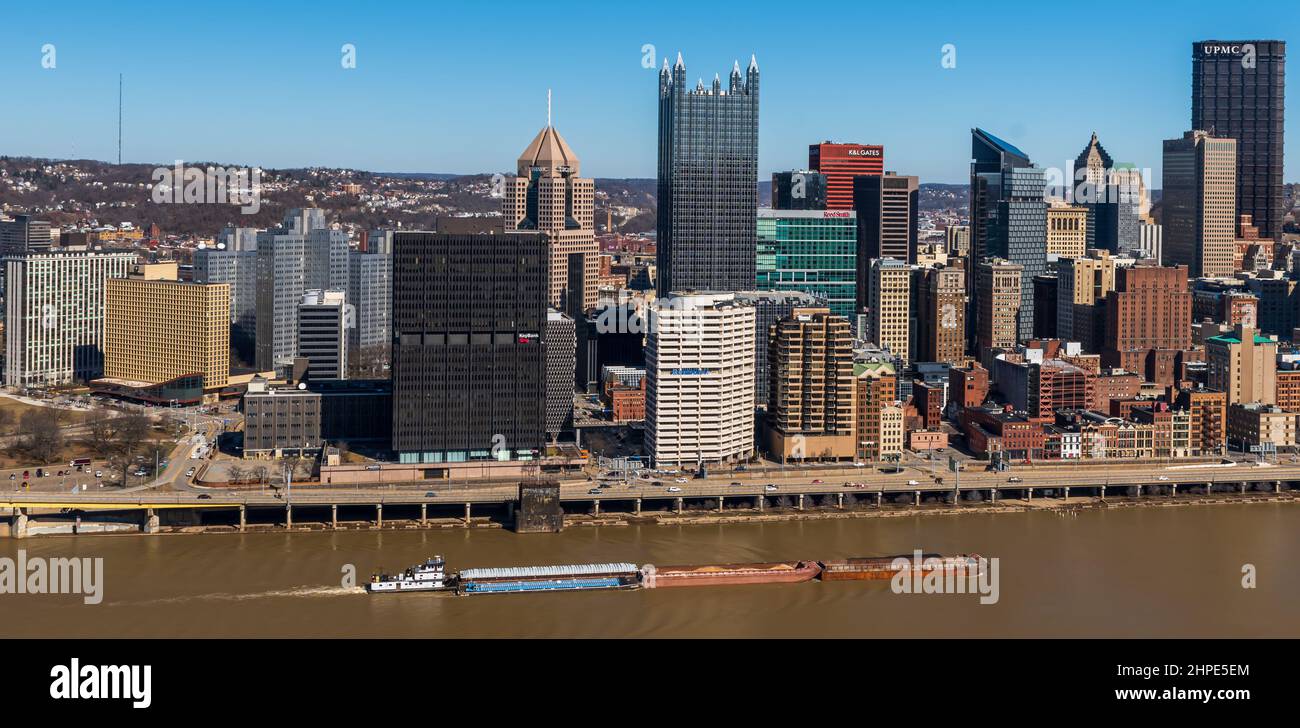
(119, 118)
(548, 108)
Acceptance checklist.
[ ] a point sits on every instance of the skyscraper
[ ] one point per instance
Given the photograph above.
(841, 163)
(814, 251)
(548, 195)
(888, 299)
(1239, 91)
(1200, 193)
(300, 255)
(997, 285)
(1008, 216)
(887, 211)
(798, 190)
(469, 312)
(708, 181)
(700, 381)
(238, 270)
(810, 413)
(370, 300)
(941, 314)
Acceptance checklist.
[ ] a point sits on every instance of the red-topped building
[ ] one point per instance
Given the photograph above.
(841, 163)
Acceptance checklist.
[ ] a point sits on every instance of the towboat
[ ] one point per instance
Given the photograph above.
(428, 576)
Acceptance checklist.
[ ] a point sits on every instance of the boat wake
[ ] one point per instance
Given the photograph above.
(305, 591)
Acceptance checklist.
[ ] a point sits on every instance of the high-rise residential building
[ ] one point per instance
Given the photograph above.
(997, 287)
(708, 181)
(841, 163)
(561, 351)
(237, 270)
(1067, 231)
(1239, 91)
(700, 381)
(24, 234)
(370, 302)
(469, 311)
(810, 414)
(798, 190)
(888, 298)
(769, 307)
(941, 314)
(1082, 285)
(549, 194)
(1008, 216)
(1200, 203)
(1244, 365)
(1148, 321)
(158, 329)
(887, 209)
(813, 251)
(302, 254)
(322, 333)
(54, 315)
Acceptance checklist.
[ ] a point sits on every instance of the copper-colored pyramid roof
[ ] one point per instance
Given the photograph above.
(548, 150)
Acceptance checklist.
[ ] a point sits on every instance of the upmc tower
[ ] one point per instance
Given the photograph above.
(1238, 92)
(841, 163)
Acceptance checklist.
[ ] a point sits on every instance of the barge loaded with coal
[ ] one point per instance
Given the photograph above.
(429, 576)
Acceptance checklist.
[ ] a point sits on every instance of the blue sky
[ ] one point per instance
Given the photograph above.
(461, 87)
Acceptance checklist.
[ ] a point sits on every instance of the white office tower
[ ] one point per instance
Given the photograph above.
(700, 380)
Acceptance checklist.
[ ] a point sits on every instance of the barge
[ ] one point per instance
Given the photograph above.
(572, 577)
(886, 567)
(780, 572)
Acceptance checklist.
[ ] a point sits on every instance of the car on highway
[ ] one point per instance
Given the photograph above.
(674, 489)
(736, 482)
(680, 480)
(430, 494)
(1163, 477)
(769, 487)
(912, 482)
(859, 465)
(204, 496)
(189, 473)
(658, 483)
(817, 481)
(1015, 479)
(594, 491)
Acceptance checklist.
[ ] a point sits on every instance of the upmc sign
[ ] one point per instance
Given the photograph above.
(1234, 49)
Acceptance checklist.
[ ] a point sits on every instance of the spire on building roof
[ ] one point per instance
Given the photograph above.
(679, 61)
(753, 62)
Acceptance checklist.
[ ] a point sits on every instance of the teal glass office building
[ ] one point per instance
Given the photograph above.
(811, 251)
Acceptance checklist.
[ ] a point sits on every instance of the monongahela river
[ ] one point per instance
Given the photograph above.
(1173, 571)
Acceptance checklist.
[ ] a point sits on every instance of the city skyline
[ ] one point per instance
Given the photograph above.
(602, 87)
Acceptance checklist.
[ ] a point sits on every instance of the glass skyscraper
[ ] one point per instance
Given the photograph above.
(812, 251)
(708, 181)
(1008, 215)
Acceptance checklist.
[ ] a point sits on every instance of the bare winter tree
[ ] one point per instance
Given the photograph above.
(42, 436)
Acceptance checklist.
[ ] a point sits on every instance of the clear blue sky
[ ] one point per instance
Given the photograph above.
(461, 87)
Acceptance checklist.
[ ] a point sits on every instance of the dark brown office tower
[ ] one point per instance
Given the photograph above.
(940, 295)
(1148, 321)
(887, 213)
(1239, 91)
(468, 353)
